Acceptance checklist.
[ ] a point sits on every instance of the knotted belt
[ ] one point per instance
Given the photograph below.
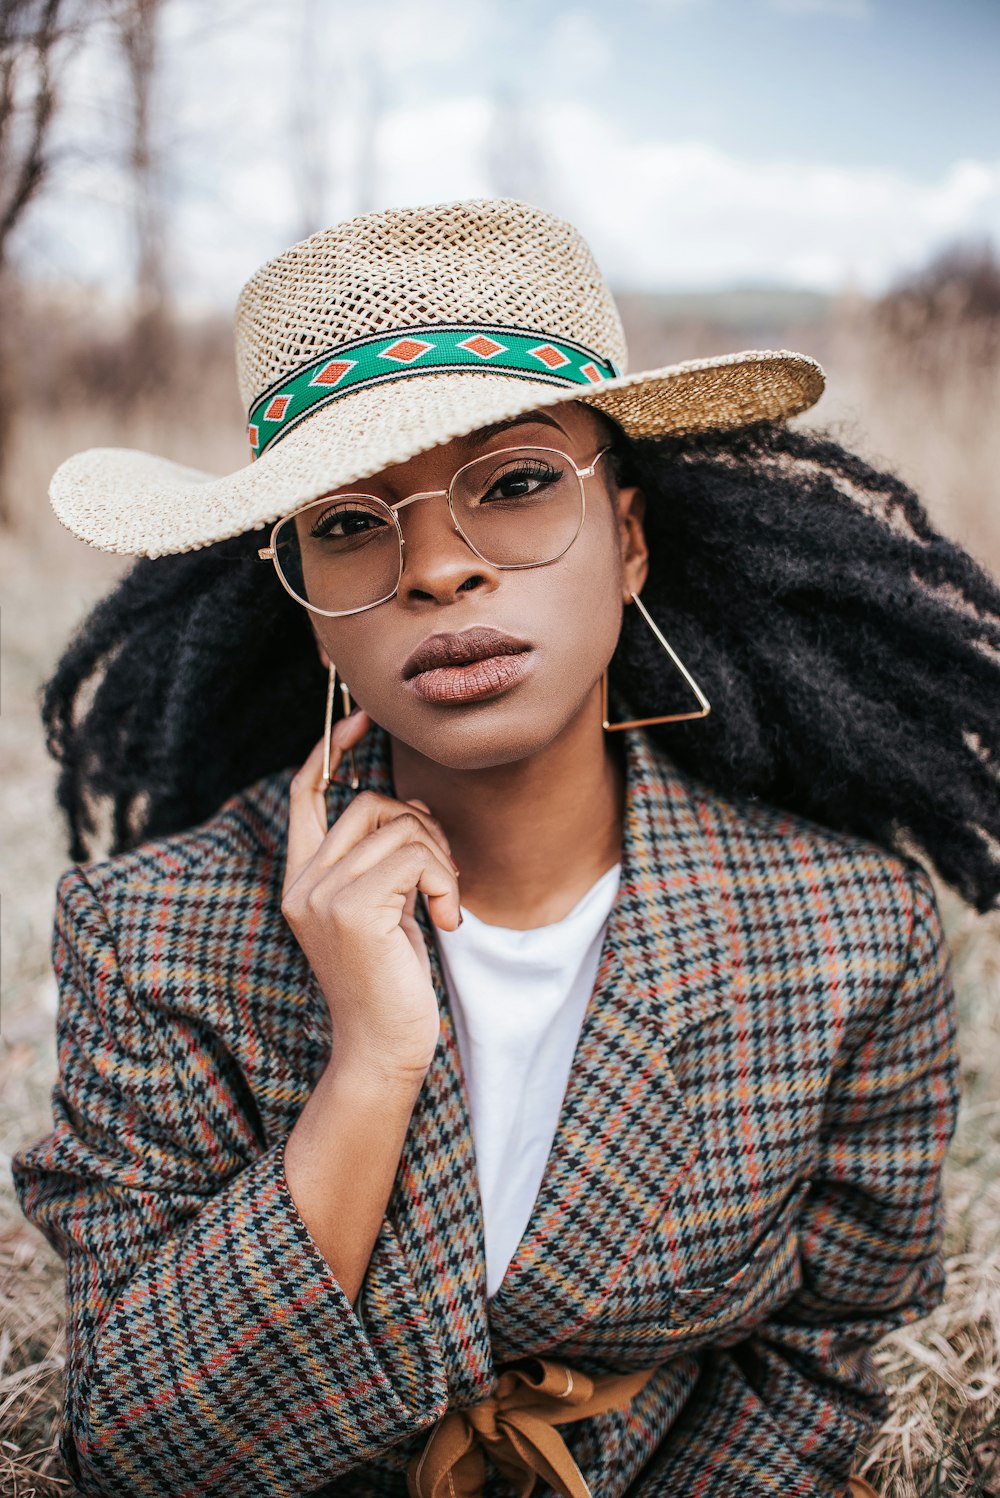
(515, 1427)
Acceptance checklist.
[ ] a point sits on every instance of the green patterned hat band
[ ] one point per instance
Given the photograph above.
(443, 349)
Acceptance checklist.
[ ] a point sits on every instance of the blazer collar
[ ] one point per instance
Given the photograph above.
(624, 1133)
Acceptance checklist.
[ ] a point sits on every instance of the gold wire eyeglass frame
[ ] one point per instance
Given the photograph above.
(269, 553)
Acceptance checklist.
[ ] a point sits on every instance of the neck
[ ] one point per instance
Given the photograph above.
(529, 838)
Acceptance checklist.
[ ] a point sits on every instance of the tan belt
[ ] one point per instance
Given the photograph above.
(515, 1427)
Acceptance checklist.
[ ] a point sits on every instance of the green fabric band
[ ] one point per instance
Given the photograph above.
(416, 351)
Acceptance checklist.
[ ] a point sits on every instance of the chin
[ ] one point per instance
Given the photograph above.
(482, 738)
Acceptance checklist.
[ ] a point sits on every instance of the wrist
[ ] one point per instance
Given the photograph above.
(378, 1075)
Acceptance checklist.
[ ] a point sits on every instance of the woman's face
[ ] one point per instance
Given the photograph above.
(561, 620)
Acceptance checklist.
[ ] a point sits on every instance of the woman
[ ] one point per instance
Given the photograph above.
(615, 1182)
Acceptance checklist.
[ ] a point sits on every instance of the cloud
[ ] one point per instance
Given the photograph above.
(659, 212)
(691, 215)
(577, 45)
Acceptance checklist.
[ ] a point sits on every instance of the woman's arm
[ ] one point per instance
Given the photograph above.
(210, 1346)
(349, 895)
(341, 1160)
(785, 1410)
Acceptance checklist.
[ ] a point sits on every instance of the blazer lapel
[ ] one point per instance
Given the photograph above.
(625, 1135)
(437, 1212)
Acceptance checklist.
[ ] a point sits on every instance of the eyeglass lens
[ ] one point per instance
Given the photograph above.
(521, 508)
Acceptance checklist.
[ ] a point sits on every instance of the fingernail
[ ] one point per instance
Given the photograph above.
(461, 917)
(454, 865)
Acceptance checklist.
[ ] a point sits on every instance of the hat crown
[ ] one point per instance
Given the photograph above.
(495, 262)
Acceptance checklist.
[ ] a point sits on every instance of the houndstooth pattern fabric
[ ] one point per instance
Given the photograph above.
(744, 1185)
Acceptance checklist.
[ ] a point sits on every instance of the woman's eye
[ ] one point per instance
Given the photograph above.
(342, 525)
(521, 482)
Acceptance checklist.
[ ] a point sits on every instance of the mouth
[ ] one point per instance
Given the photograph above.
(474, 664)
(475, 644)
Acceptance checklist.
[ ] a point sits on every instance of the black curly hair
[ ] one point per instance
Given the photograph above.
(851, 655)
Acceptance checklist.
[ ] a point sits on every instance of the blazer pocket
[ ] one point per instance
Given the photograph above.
(768, 1275)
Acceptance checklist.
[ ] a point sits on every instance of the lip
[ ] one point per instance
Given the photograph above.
(474, 682)
(478, 643)
(471, 666)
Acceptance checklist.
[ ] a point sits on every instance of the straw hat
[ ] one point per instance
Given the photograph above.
(380, 338)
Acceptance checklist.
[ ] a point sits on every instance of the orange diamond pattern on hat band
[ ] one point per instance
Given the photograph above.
(277, 407)
(331, 374)
(456, 347)
(483, 347)
(406, 350)
(552, 358)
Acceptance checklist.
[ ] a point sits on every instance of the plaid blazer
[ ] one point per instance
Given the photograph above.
(744, 1183)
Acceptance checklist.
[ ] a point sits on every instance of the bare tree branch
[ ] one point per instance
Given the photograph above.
(148, 353)
(136, 22)
(28, 33)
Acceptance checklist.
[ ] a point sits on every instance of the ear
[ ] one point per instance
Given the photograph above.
(631, 506)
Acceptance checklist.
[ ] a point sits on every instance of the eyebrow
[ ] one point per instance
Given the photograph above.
(482, 434)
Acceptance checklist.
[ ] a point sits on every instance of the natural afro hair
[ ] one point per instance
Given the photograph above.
(850, 652)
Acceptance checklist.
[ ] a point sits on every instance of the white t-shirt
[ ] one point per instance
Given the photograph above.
(518, 999)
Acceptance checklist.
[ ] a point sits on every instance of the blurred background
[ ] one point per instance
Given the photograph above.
(820, 175)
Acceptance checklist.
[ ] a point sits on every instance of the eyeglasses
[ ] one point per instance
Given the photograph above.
(519, 507)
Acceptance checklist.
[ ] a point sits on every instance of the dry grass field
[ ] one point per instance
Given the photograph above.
(929, 412)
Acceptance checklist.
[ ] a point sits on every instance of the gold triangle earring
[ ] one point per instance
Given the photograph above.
(701, 712)
(345, 698)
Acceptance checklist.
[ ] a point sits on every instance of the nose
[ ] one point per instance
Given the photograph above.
(438, 563)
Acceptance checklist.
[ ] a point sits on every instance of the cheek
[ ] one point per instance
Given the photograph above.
(583, 609)
(348, 644)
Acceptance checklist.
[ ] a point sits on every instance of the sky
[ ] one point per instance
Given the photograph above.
(698, 144)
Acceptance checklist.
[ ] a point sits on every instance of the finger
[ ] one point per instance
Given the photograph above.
(306, 814)
(387, 887)
(348, 732)
(307, 811)
(435, 825)
(366, 814)
(443, 836)
(373, 850)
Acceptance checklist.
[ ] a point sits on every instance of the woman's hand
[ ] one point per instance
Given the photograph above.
(349, 896)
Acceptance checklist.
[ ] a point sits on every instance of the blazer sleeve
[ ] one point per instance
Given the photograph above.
(784, 1411)
(209, 1348)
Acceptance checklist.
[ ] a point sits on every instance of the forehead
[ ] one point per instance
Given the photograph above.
(569, 418)
(569, 426)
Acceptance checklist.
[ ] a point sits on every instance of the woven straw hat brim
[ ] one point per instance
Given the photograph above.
(136, 504)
